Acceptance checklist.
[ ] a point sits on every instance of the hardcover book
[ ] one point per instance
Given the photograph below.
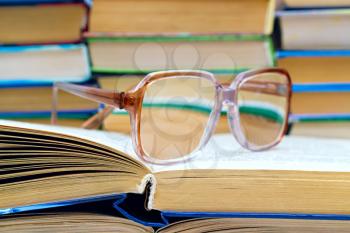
(318, 102)
(305, 29)
(327, 126)
(316, 67)
(36, 99)
(43, 64)
(220, 54)
(38, 22)
(182, 17)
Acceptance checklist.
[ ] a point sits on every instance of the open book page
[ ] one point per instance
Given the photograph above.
(57, 164)
(119, 142)
(70, 222)
(294, 153)
(223, 152)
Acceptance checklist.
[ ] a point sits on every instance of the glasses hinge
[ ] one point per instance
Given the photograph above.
(120, 100)
(123, 100)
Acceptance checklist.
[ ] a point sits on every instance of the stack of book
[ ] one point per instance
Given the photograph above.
(41, 43)
(315, 49)
(128, 39)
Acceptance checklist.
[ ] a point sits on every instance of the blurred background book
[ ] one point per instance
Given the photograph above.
(41, 43)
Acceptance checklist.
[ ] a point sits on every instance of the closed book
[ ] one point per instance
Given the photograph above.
(38, 98)
(42, 22)
(316, 67)
(306, 30)
(182, 16)
(221, 54)
(320, 81)
(43, 64)
(302, 176)
(320, 102)
(321, 125)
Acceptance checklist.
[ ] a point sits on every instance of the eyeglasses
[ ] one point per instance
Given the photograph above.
(174, 113)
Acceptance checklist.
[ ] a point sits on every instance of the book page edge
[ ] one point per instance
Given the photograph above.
(148, 184)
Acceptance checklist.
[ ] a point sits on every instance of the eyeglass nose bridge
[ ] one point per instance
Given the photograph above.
(228, 96)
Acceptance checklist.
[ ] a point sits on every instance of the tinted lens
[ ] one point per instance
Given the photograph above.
(263, 105)
(175, 112)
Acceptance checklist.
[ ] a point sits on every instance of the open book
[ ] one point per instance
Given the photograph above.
(44, 164)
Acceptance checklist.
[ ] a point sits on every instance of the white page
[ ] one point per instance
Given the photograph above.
(294, 153)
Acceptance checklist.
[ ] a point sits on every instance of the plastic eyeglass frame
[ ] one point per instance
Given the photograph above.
(131, 101)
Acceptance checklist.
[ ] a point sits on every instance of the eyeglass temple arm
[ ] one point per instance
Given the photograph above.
(111, 98)
(96, 120)
(273, 88)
